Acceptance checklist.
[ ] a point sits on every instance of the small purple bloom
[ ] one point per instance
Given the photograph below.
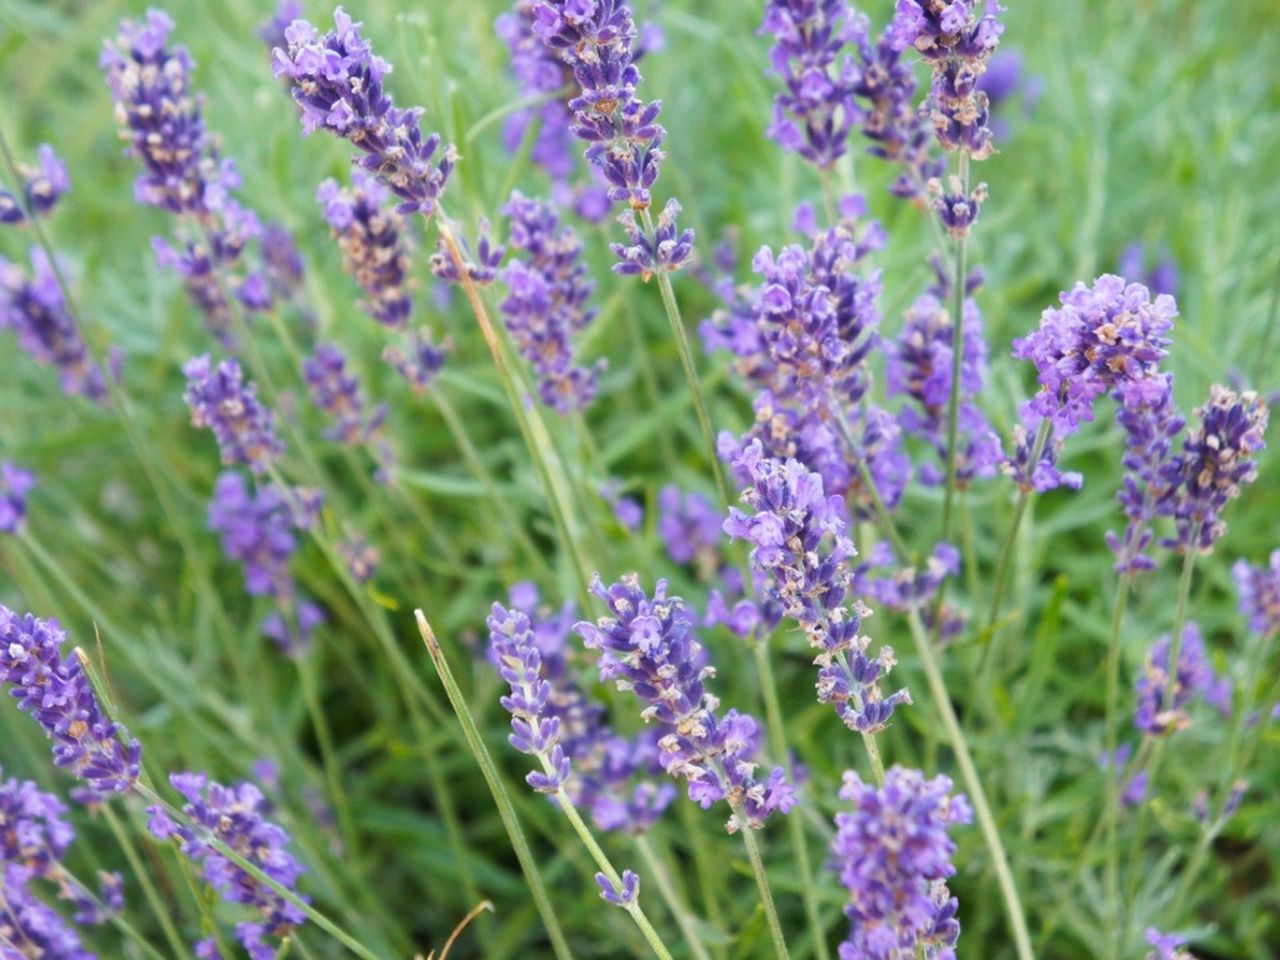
(1155, 715)
(624, 896)
(42, 186)
(1161, 278)
(1166, 946)
(1258, 590)
(257, 531)
(337, 392)
(220, 400)
(481, 267)
(272, 32)
(15, 484)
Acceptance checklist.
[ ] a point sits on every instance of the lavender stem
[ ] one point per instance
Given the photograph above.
(957, 359)
(762, 882)
(662, 877)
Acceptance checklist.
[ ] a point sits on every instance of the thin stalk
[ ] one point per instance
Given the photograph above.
(1171, 668)
(502, 799)
(873, 756)
(328, 759)
(762, 882)
(778, 744)
(314, 915)
(606, 867)
(690, 369)
(973, 786)
(957, 361)
(1111, 813)
(655, 868)
(158, 907)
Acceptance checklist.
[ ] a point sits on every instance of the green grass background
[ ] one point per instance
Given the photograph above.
(1159, 121)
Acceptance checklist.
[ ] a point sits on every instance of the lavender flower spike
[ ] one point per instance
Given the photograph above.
(1216, 462)
(647, 646)
(15, 484)
(56, 691)
(234, 816)
(893, 854)
(1259, 591)
(799, 547)
(220, 400)
(1155, 716)
(534, 728)
(337, 82)
(816, 111)
(42, 186)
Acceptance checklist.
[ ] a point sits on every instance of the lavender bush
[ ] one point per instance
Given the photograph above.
(823, 447)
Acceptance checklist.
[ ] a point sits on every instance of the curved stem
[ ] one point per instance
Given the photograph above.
(957, 361)
(501, 798)
(1111, 813)
(690, 370)
(762, 882)
(973, 786)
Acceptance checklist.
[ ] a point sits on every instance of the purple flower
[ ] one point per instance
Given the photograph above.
(1216, 462)
(1166, 946)
(272, 32)
(1150, 426)
(337, 82)
(338, 393)
(234, 816)
(1258, 590)
(1162, 278)
(548, 292)
(893, 854)
(957, 211)
(220, 400)
(416, 359)
(906, 587)
(624, 896)
(41, 931)
(482, 267)
(800, 547)
(257, 531)
(1032, 472)
(626, 510)
(15, 484)
(816, 110)
(647, 645)
(595, 39)
(540, 73)
(42, 186)
(32, 306)
(689, 525)
(667, 250)
(1004, 81)
(1155, 715)
(281, 262)
(292, 626)
(56, 691)
(373, 242)
(1108, 337)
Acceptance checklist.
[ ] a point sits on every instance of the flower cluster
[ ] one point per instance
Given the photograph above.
(1215, 463)
(337, 392)
(1161, 705)
(817, 109)
(610, 775)
(800, 547)
(647, 645)
(481, 267)
(33, 307)
(1166, 946)
(373, 241)
(41, 188)
(336, 80)
(234, 816)
(893, 853)
(547, 301)
(1259, 591)
(220, 400)
(34, 840)
(416, 359)
(918, 364)
(56, 691)
(15, 484)
(596, 40)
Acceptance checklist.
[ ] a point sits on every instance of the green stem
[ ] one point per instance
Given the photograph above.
(502, 799)
(690, 369)
(655, 868)
(328, 758)
(141, 874)
(873, 757)
(762, 882)
(973, 786)
(957, 361)
(1111, 813)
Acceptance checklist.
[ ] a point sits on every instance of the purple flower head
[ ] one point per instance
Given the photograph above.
(1166, 946)
(1150, 426)
(540, 72)
(15, 484)
(481, 267)
(42, 186)
(689, 525)
(595, 39)
(32, 306)
(647, 646)
(800, 548)
(548, 292)
(338, 393)
(1162, 707)
(220, 400)
(893, 854)
(234, 815)
(623, 896)
(1216, 462)
(257, 531)
(292, 626)
(282, 263)
(1258, 590)
(1032, 472)
(957, 210)
(56, 691)
(416, 359)
(626, 510)
(373, 241)
(272, 32)
(1106, 338)
(817, 108)
(905, 587)
(336, 80)
(1161, 278)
